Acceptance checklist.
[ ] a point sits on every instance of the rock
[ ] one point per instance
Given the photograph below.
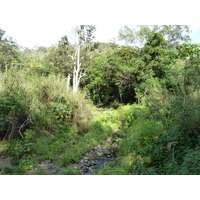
(98, 147)
(109, 140)
(99, 154)
(118, 139)
(106, 152)
(97, 158)
(90, 169)
(82, 161)
(93, 163)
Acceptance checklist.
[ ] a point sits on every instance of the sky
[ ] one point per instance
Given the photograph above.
(196, 35)
(41, 35)
(34, 23)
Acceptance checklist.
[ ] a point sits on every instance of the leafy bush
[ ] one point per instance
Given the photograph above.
(13, 118)
(61, 111)
(191, 163)
(30, 135)
(43, 101)
(8, 170)
(15, 148)
(137, 148)
(24, 166)
(144, 134)
(135, 112)
(48, 148)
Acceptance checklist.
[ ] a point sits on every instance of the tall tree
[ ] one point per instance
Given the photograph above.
(9, 52)
(84, 35)
(156, 56)
(173, 34)
(60, 57)
(112, 75)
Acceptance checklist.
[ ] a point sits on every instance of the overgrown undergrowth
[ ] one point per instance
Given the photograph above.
(42, 122)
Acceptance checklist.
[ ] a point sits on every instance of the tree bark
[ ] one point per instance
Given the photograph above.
(68, 81)
(76, 73)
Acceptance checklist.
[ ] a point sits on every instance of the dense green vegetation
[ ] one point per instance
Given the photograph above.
(145, 98)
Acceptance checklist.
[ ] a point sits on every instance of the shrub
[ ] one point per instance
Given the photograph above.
(41, 100)
(191, 163)
(8, 170)
(61, 111)
(13, 118)
(24, 166)
(144, 134)
(48, 148)
(136, 150)
(15, 148)
(135, 112)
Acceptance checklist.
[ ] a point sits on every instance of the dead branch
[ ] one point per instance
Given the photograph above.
(26, 122)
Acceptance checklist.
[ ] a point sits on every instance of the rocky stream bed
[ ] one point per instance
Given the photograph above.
(92, 161)
(96, 159)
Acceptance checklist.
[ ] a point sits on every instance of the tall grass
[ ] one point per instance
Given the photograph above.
(51, 108)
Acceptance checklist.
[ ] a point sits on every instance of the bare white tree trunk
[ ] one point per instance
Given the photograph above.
(77, 72)
(83, 35)
(68, 81)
